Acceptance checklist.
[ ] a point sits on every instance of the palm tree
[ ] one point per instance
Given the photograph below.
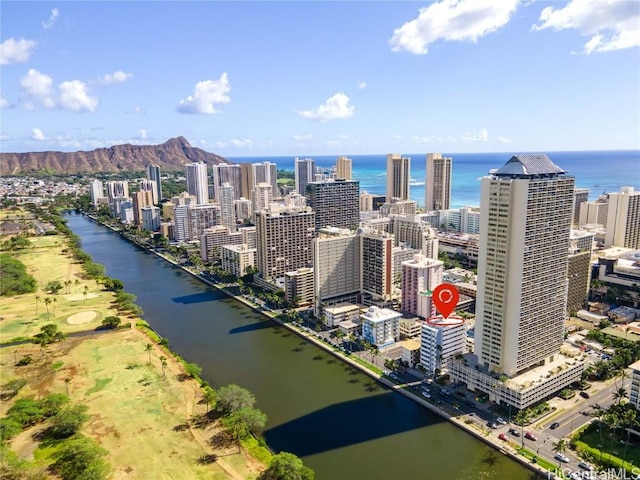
(37, 300)
(148, 347)
(613, 421)
(47, 302)
(67, 381)
(599, 415)
(560, 447)
(55, 300)
(619, 395)
(629, 419)
(86, 290)
(76, 283)
(163, 363)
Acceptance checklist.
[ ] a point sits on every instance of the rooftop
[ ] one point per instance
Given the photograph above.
(529, 165)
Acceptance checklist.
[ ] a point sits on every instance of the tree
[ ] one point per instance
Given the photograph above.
(111, 322)
(560, 447)
(37, 301)
(232, 398)
(67, 381)
(47, 302)
(85, 292)
(619, 395)
(147, 348)
(246, 419)
(163, 364)
(287, 466)
(68, 421)
(53, 287)
(113, 284)
(209, 397)
(81, 459)
(54, 300)
(629, 419)
(193, 369)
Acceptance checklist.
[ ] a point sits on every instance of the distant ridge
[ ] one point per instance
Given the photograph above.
(169, 156)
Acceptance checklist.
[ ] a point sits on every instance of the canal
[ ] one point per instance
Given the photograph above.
(339, 421)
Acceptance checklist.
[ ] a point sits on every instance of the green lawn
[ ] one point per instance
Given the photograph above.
(589, 440)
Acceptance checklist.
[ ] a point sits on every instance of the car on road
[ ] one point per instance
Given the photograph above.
(576, 475)
(501, 421)
(562, 457)
(514, 432)
(584, 394)
(445, 392)
(554, 425)
(502, 436)
(493, 425)
(530, 436)
(585, 466)
(426, 395)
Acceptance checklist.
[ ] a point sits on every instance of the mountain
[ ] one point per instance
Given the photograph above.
(170, 155)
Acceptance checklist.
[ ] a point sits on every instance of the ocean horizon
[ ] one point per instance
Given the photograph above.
(602, 171)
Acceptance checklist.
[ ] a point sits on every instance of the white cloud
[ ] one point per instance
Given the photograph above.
(504, 140)
(481, 136)
(612, 24)
(38, 87)
(241, 143)
(74, 96)
(301, 138)
(362, 85)
(4, 103)
(116, 77)
(16, 51)
(452, 20)
(137, 110)
(5, 137)
(55, 13)
(206, 95)
(336, 107)
(142, 134)
(36, 134)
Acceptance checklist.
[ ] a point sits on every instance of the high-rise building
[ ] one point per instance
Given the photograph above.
(151, 186)
(396, 206)
(227, 206)
(141, 199)
(284, 238)
(623, 219)
(202, 217)
(380, 326)
(212, 240)
(197, 181)
(580, 196)
(416, 232)
(579, 270)
(420, 277)
(376, 250)
(336, 203)
(153, 173)
(371, 202)
(526, 211)
(181, 232)
(97, 192)
(398, 176)
(594, 212)
(246, 180)
(244, 207)
(438, 182)
(298, 286)
(117, 188)
(151, 218)
(305, 172)
(262, 195)
(266, 172)
(336, 265)
(344, 168)
(225, 173)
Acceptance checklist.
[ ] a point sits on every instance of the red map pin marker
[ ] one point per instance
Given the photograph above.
(445, 296)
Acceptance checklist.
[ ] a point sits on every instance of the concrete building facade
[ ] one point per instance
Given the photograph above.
(380, 326)
(335, 202)
(198, 182)
(438, 182)
(420, 276)
(398, 176)
(623, 219)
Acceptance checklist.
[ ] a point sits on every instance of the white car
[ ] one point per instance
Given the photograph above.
(501, 421)
(586, 466)
(561, 457)
(426, 395)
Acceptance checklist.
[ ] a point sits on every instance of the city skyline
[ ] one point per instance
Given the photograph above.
(266, 79)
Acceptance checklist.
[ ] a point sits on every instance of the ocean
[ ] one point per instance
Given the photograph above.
(599, 171)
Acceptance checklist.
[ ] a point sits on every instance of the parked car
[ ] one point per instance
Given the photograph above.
(585, 466)
(584, 394)
(514, 432)
(562, 457)
(554, 425)
(501, 421)
(530, 436)
(493, 425)
(426, 395)
(502, 436)
(446, 392)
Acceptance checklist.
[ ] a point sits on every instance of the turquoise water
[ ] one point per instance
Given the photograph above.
(600, 171)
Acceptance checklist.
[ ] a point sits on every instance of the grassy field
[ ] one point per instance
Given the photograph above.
(23, 315)
(138, 414)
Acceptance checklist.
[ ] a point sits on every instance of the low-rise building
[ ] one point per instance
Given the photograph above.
(380, 326)
(410, 352)
(337, 314)
(236, 259)
(410, 328)
(298, 287)
(442, 339)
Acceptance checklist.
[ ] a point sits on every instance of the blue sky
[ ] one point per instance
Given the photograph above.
(331, 77)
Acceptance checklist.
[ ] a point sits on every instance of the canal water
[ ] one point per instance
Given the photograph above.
(340, 422)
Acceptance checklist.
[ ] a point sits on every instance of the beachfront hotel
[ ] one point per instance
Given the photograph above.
(526, 213)
(398, 176)
(438, 182)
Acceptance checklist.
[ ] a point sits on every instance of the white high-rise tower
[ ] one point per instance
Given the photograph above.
(438, 182)
(197, 182)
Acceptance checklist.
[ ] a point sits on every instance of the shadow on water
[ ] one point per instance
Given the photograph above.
(195, 298)
(353, 430)
(252, 327)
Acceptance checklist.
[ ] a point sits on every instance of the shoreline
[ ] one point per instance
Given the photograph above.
(496, 444)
